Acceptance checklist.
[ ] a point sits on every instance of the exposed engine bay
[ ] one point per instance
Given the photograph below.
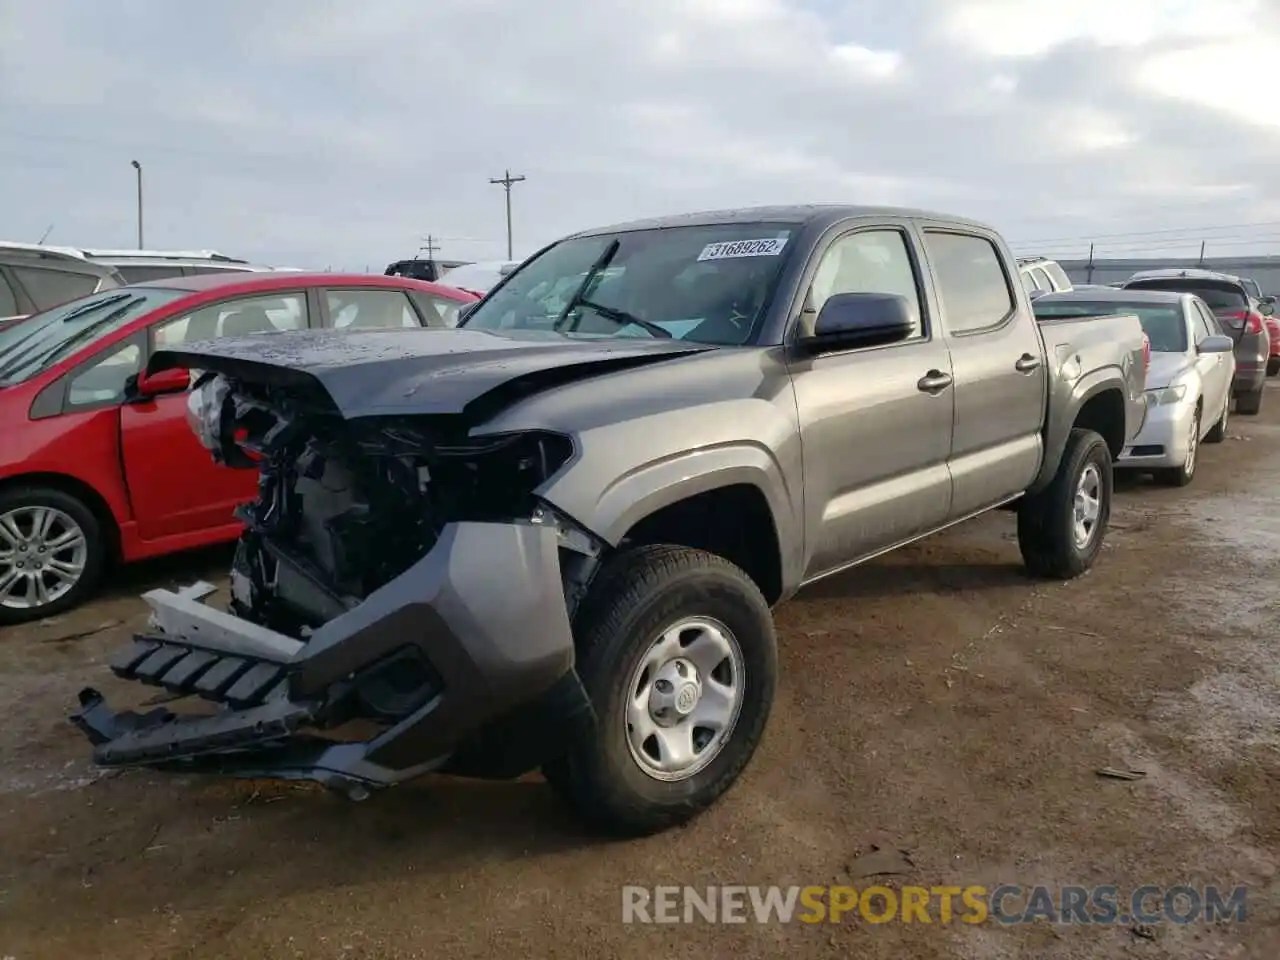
(343, 506)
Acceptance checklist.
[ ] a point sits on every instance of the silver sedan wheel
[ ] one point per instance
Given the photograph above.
(1088, 506)
(1193, 444)
(684, 698)
(43, 553)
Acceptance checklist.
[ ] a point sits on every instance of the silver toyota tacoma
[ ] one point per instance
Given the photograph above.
(550, 539)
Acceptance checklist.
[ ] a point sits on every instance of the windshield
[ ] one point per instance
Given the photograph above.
(41, 340)
(1219, 295)
(704, 284)
(1163, 324)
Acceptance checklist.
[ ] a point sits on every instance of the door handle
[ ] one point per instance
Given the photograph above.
(934, 381)
(1026, 363)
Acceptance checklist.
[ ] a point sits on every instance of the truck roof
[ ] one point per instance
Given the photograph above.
(807, 214)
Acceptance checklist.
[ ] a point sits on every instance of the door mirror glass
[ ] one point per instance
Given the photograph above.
(861, 320)
(1216, 344)
(1266, 309)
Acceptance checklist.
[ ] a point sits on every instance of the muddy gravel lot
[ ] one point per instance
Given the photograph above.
(935, 706)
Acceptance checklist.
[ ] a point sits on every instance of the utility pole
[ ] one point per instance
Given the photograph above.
(1202, 243)
(1089, 274)
(430, 246)
(506, 182)
(137, 166)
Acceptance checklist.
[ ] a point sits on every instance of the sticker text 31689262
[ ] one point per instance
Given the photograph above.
(724, 250)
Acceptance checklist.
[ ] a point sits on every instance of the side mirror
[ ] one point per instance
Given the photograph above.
(1267, 308)
(860, 320)
(1269, 299)
(1216, 344)
(466, 310)
(166, 381)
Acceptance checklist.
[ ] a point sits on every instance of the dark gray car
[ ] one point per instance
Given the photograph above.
(551, 538)
(1241, 316)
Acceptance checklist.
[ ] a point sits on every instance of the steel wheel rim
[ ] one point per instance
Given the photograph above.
(684, 698)
(1193, 443)
(1087, 506)
(43, 553)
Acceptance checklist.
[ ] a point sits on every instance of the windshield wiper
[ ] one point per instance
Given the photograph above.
(84, 308)
(602, 261)
(622, 317)
(61, 348)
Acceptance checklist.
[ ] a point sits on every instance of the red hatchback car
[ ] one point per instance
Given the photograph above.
(97, 463)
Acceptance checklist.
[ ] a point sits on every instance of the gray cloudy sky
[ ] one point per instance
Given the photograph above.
(313, 133)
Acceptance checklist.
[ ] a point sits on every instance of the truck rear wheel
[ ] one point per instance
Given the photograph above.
(677, 650)
(52, 553)
(1061, 528)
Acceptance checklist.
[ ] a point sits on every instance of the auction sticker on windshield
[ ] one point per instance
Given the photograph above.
(726, 249)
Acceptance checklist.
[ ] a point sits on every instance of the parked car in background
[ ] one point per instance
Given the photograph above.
(478, 278)
(1240, 315)
(138, 266)
(1040, 275)
(97, 463)
(422, 269)
(34, 277)
(552, 539)
(1188, 385)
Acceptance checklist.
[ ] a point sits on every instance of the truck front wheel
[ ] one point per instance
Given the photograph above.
(1061, 528)
(677, 651)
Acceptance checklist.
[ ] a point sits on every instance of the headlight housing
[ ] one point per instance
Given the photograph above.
(1165, 396)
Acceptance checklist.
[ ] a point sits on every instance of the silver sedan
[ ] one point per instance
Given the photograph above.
(1188, 389)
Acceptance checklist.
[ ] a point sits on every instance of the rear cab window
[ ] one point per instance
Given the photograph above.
(972, 283)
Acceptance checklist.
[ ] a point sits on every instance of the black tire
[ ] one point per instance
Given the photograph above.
(1273, 366)
(1183, 475)
(639, 594)
(1250, 404)
(19, 498)
(1046, 519)
(1218, 432)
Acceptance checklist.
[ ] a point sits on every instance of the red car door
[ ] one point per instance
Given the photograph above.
(175, 486)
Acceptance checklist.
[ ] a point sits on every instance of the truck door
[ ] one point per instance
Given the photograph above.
(875, 421)
(997, 358)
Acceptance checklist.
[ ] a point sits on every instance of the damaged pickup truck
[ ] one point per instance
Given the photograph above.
(550, 539)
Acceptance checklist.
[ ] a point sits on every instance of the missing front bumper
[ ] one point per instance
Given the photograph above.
(484, 610)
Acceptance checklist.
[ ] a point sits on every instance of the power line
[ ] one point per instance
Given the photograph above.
(1086, 238)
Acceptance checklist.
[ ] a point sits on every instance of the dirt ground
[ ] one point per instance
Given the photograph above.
(936, 702)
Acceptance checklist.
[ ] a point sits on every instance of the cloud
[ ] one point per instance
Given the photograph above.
(324, 132)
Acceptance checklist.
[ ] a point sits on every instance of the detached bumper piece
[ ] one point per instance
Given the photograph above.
(464, 664)
(160, 736)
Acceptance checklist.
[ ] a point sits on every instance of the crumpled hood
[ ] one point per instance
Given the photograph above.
(398, 372)
(1164, 368)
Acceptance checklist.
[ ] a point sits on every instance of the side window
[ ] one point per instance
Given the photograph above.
(1043, 279)
(235, 318)
(873, 261)
(439, 311)
(1057, 276)
(972, 285)
(370, 309)
(1028, 281)
(48, 288)
(143, 272)
(8, 300)
(105, 379)
(1207, 325)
